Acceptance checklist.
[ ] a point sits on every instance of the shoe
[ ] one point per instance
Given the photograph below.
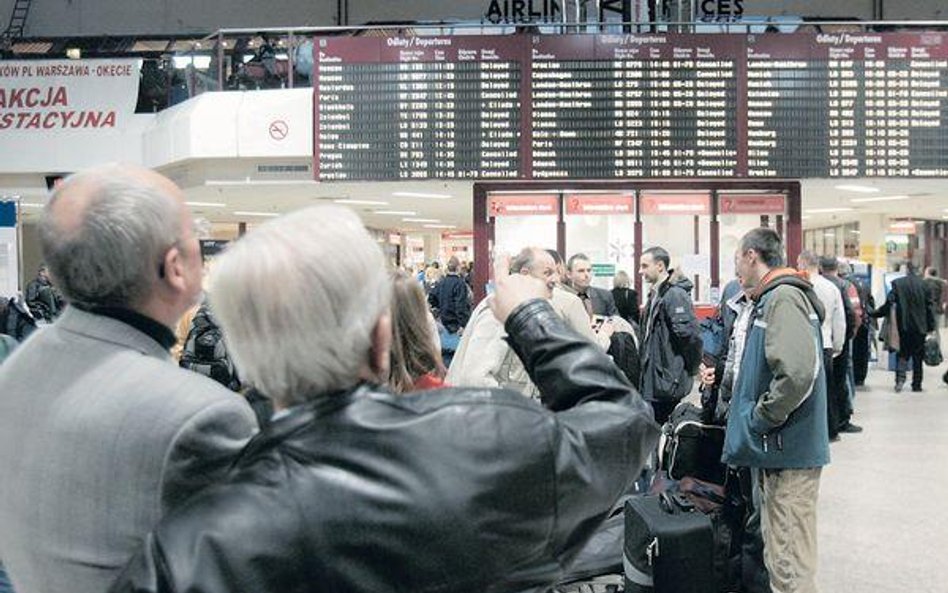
(916, 389)
(850, 427)
(899, 386)
(945, 377)
(834, 438)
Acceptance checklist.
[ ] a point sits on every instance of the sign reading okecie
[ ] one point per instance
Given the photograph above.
(523, 11)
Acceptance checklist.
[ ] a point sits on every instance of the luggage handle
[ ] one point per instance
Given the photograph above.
(674, 503)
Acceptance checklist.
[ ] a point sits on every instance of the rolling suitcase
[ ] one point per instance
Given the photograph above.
(669, 546)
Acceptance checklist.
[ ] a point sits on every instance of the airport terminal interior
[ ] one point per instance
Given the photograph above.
(473, 128)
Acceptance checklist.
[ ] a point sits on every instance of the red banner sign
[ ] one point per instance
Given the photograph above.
(522, 205)
(769, 204)
(678, 204)
(599, 204)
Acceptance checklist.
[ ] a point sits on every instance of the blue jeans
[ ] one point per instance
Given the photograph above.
(5, 585)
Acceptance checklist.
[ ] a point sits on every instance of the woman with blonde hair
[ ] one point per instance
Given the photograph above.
(627, 300)
(416, 357)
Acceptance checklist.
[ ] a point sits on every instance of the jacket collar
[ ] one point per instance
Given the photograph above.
(109, 329)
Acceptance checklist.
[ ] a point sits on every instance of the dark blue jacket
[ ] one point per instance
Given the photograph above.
(451, 299)
(777, 418)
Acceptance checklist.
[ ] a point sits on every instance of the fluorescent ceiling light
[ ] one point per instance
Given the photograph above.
(362, 202)
(415, 194)
(421, 220)
(879, 199)
(395, 212)
(439, 226)
(827, 210)
(860, 189)
(31, 205)
(249, 181)
(251, 213)
(207, 204)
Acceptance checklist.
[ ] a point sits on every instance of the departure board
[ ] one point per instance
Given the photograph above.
(847, 105)
(402, 108)
(631, 106)
(617, 106)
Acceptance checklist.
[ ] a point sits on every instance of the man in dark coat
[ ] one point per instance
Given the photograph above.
(914, 319)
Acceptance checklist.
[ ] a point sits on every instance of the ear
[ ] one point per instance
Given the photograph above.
(381, 346)
(172, 269)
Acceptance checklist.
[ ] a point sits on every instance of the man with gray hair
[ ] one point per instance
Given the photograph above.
(353, 488)
(100, 432)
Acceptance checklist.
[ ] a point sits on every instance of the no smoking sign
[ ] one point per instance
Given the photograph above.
(279, 130)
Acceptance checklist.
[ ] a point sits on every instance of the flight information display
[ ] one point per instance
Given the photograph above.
(630, 106)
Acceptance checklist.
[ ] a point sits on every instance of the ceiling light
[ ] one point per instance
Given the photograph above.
(31, 205)
(251, 213)
(362, 202)
(415, 194)
(860, 189)
(827, 210)
(74, 53)
(207, 204)
(421, 220)
(395, 212)
(439, 226)
(879, 199)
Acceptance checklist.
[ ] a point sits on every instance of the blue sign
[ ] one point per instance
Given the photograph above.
(7, 214)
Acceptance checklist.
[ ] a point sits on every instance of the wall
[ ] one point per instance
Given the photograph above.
(50, 18)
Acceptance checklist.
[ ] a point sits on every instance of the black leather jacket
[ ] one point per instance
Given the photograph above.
(454, 490)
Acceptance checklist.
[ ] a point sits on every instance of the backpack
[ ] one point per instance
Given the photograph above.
(205, 353)
(932, 355)
(16, 320)
(625, 353)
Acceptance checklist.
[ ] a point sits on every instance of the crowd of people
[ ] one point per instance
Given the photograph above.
(391, 434)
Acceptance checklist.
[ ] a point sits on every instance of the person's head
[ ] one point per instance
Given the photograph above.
(413, 345)
(453, 265)
(43, 272)
(829, 266)
(654, 264)
(558, 265)
(621, 280)
(295, 331)
(759, 251)
(538, 263)
(845, 269)
(579, 271)
(909, 267)
(121, 236)
(931, 272)
(807, 260)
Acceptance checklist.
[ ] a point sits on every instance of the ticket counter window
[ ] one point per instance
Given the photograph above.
(738, 214)
(602, 226)
(523, 220)
(681, 223)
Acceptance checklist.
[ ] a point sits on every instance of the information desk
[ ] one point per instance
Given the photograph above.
(631, 106)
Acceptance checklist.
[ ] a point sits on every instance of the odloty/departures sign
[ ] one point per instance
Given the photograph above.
(625, 106)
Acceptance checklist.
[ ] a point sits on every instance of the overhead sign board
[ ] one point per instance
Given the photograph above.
(522, 205)
(599, 204)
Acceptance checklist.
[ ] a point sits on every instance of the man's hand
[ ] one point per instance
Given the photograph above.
(512, 290)
(706, 375)
(606, 329)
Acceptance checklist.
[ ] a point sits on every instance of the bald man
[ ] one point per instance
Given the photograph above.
(100, 432)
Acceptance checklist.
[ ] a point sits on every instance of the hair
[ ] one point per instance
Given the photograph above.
(414, 353)
(845, 269)
(910, 267)
(523, 260)
(557, 258)
(658, 254)
(828, 263)
(573, 258)
(809, 259)
(453, 264)
(931, 271)
(298, 299)
(112, 257)
(766, 242)
(621, 280)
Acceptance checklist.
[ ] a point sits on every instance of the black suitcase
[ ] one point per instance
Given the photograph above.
(669, 546)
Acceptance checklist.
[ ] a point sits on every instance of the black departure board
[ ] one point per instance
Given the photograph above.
(617, 106)
(401, 108)
(629, 106)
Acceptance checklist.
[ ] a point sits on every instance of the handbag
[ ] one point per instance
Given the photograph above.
(933, 356)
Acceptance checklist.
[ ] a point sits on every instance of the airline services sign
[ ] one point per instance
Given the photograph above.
(63, 96)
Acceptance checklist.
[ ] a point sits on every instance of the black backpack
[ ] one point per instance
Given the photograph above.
(625, 353)
(14, 321)
(205, 353)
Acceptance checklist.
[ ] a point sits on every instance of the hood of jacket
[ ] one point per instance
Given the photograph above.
(788, 276)
(676, 278)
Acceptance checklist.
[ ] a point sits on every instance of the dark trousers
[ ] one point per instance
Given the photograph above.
(861, 351)
(832, 412)
(840, 395)
(916, 351)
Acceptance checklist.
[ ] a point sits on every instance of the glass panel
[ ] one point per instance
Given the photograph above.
(605, 239)
(676, 233)
(513, 233)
